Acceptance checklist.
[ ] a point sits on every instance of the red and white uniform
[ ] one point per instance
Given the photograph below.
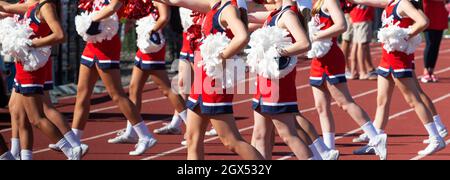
(212, 100)
(191, 36)
(152, 61)
(330, 67)
(277, 96)
(399, 64)
(34, 82)
(362, 13)
(105, 54)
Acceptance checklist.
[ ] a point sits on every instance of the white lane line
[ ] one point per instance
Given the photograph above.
(392, 117)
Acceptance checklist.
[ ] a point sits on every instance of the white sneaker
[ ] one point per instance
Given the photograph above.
(168, 129)
(76, 153)
(184, 143)
(142, 146)
(331, 155)
(436, 144)
(84, 148)
(121, 138)
(211, 132)
(365, 150)
(361, 138)
(443, 133)
(379, 144)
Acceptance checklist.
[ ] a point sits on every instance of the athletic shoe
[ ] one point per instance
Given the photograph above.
(211, 132)
(379, 144)
(142, 146)
(168, 129)
(84, 148)
(426, 79)
(76, 153)
(365, 150)
(184, 143)
(121, 138)
(443, 133)
(331, 155)
(361, 138)
(434, 78)
(436, 144)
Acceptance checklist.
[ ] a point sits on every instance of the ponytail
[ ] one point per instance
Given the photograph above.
(317, 7)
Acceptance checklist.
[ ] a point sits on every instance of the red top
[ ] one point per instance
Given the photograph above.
(436, 12)
(323, 18)
(211, 23)
(362, 13)
(273, 18)
(40, 29)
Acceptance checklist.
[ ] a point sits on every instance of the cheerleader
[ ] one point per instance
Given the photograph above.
(328, 77)
(216, 107)
(4, 153)
(101, 60)
(396, 69)
(279, 111)
(29, 85)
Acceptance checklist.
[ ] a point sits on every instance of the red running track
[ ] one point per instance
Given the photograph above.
(405, 130)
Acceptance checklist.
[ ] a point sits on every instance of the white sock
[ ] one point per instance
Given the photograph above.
(7, 156)
(26, 154)
(320, 146)
(439, 125)
(183, 116)
(369, 129)
(15, 146)
(328, 139)
(78, 133)
(142, 131)
(432, 130)
(380, 131)
(176, 122)
(65, 147)
(73, 139)
(129, 131)
(316, 153)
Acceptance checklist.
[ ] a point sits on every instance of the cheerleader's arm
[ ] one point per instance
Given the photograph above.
(49, 15)
(241, 37)
(373, 3)
(421, 21)
(337, 15)
(108, 11)
(164, 16)
(291, 22)
(202, 6)
(19, 8)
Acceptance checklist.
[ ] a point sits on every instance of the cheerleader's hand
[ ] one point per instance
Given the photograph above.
(155, 37)
(94, 29)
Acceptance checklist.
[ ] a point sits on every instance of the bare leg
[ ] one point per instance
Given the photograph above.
(195, 135)
(385, 90)
(262, 135)
(86, 82)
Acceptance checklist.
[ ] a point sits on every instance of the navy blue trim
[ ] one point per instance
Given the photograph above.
(405, 74)
(146, 67)
(274, 110)
(216, 20)
(33, 15)
(332, 81)
(394, 12)
(102, 66)
(187, 57)
(48, 87)
(321, 13)
(209, 110)
(28, 90)
(337, 80)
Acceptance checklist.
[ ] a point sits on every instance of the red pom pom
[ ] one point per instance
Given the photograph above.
(136, 9)
(86, 5)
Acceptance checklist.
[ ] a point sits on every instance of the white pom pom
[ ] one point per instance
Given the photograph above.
(319, 48)
(108, 27)
(394, 38)
(212, 64)
(15, 40)
(263, 56)
(143, 29)
(186, 18)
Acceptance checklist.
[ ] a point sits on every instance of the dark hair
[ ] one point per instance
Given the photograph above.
(418, 4)
(57, 4)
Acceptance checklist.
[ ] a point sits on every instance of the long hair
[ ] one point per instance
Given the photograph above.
(57, 4)
(418, 4)
(317, 7)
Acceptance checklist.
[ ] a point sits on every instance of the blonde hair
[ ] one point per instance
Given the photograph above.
(317, 7)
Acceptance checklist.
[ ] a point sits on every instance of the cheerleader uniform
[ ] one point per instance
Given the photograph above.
(398, 63)
(212, 100)
(330, 67)
(35, 82)
(191, 35)
(152, 61)
(280, 96)
(105, 54)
